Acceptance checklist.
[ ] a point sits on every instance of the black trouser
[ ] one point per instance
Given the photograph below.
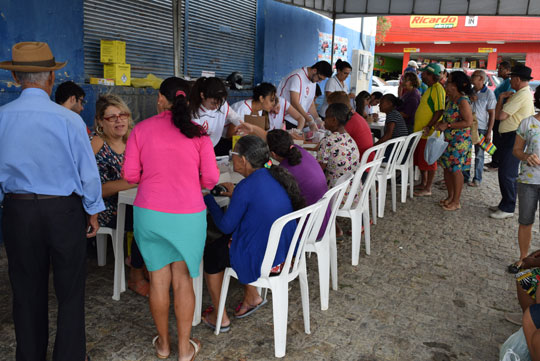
(508, 172)
(495, 158)
(38, 233)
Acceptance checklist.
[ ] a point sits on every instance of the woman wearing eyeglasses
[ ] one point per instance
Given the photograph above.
(112, 126)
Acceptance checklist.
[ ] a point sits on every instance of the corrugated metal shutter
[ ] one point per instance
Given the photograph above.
(145, 26)
(221, 37)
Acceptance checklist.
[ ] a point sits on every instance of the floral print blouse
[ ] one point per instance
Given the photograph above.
(529, 130)
(340, 154)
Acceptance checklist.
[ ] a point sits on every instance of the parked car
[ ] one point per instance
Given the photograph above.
(392, 82)
(492, 80)
(379, 85)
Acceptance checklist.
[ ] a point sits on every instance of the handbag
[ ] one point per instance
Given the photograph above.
(435, 147)
(475, 136)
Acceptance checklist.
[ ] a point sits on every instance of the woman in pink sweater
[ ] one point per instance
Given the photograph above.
(171, 159)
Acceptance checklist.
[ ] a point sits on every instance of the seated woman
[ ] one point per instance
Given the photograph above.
(357, 126)
(302, 165)
(249, 219)
(209, 108)
(338, 153)
(394, 126)
(362, 101)
(113, 124)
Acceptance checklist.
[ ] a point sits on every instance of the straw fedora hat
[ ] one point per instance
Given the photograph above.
(31, 57)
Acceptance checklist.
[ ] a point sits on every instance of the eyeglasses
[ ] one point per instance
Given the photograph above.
(83, 101)
(235, 153)
(114, 117)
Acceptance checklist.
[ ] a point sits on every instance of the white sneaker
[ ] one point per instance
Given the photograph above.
(501, 215)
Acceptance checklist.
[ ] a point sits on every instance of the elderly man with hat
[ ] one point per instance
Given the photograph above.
(51, 194)
(518, 106)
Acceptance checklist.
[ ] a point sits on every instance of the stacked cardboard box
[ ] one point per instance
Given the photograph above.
(113, 57)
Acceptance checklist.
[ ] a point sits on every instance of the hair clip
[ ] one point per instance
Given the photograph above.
(292, 146)
(268, 164)
(180, 92)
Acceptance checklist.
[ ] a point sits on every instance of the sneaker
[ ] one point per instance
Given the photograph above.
(501, 215)
(493, 208)
(514, 317)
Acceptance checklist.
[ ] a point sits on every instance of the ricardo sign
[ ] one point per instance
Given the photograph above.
(436, 22)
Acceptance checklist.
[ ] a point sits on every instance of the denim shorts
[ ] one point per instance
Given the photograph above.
(528, 195)
(534, 310)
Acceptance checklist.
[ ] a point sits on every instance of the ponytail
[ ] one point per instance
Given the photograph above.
(177, 91)
(281, 143)
(211, 88)
(258, 155)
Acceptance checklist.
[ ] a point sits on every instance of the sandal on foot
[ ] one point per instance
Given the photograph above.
(448, 208)
(196, 347)
(223, 329)
(160, 356)
(142, 287)
(443, 202)
(514, 267)
(250, 309)
(207, 311)
(422, 193)
(472, 184)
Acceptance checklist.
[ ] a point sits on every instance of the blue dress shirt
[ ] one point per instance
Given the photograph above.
(44, 149)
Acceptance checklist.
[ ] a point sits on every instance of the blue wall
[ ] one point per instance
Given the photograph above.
(288, 38)
(58, 23)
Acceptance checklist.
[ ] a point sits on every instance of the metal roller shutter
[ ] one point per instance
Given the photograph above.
(145, 26)
(220, 37)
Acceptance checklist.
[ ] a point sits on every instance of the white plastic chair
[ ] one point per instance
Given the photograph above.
(325, 247)
(375, 152)
(386, 172)
(360, 211)
(406, 165)
(101, 244)
(279, 284)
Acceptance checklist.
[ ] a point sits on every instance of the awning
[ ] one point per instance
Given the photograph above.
(356, 8)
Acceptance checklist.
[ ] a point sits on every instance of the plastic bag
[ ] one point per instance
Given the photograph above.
(435, 147)
(515, 348)
(150, 81)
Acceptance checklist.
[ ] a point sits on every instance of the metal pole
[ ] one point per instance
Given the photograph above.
(333, 32)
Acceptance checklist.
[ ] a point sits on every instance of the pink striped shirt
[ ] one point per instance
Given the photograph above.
(169, 167)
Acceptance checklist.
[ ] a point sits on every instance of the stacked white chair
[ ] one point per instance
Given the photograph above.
(386, 172)
(325, 247)
(375, 152)
(358, 212)
(405, 164)
(306, 219)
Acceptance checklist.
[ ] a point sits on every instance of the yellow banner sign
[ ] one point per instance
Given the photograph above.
(411, 50)
(487, 50)
(436, 22)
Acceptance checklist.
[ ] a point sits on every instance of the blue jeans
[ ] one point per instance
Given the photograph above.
(508, 172)
(478, 161)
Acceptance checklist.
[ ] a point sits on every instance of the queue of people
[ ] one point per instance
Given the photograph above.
(70, 198)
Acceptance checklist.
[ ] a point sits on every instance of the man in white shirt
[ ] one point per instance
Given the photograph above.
(298, 88)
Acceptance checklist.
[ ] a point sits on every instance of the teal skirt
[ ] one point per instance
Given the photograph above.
(164, 238)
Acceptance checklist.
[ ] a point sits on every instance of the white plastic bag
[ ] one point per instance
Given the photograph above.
(515, 348)
(435, 147)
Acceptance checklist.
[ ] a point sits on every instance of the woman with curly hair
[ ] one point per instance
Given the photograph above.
(456, 122)
(249, 220)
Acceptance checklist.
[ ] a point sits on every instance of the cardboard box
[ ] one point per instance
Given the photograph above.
(113, 52)
(260, 121)
(101, 81)
(121, 73)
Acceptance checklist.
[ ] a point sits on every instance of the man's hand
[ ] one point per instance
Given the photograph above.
(474, 98)
(92, 225)
(505, 95)
(487, 137)
(532, 160)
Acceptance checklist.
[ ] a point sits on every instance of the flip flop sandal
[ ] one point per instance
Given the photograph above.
(196, 346)
(449, 209)
(213, 327)
(250, 310)
(514, 267)
(207, 311)
(443, 202)
(160, 356)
